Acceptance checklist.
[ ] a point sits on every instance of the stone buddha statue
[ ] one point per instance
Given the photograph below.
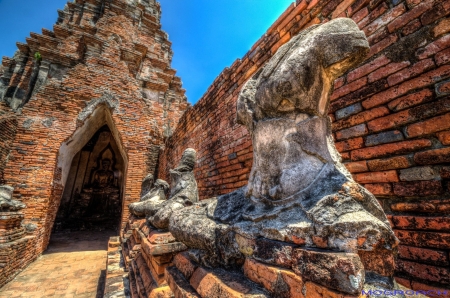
(7, 203)
(104, 194)
(104, 177)
(298, 192)
(183, 192)
(151, 201)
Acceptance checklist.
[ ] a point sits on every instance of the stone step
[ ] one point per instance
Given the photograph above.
(117, 281)
(211, 283)
(133, 284)
(179, 285)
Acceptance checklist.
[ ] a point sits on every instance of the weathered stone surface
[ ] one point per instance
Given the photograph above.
(179, 285)
(281, 282)
(152, 200)
(298, 189)
(183, 191)
(418, 173)
(184, 264)
(340, 271)
(219, 283)
(6, 201)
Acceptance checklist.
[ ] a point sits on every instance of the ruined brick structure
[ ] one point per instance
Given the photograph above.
(104, 63)
(390, 122)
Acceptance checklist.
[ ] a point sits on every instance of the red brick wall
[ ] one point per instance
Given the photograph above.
(391, 120)
(7, 134)
(119, 55)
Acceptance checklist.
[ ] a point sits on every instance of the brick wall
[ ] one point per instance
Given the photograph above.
(101, 54)
(7, 134)
(391, 122)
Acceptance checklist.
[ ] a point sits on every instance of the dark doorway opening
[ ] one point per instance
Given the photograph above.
(92, 198)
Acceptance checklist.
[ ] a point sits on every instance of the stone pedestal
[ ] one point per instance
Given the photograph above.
(10, 226)
(147, 252)
(17, 249)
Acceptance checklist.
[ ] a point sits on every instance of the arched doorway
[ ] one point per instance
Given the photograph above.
(92, 197)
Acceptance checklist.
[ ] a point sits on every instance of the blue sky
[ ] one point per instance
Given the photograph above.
(206, 35)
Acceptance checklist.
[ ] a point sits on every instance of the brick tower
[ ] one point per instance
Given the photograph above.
(105, 65)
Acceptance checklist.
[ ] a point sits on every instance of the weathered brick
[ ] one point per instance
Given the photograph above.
(379, 189)
(424, 272)
(434, 156)
(411, 72)
(390, 149)
(411, 115)
(444, 137)
(330, 269)
(411, 100)
(184, 264)
(273, 278)
(399, 162)
(338, 83)
(443, 57)
(350, 144)
(443, 88)
(429, 126)
(427, 272)
(384, 19)
(445, 172)
(424, 239)
(383, 44)
(418, 173)
(367, 68)
(434, 47)
(360, 118)
(218, 283)
(442, 28)
(411, 27)
(418, 188)
(410, 15)
(438, 11)
(387, 70)
(428, 256)
(412, 3)
(341, 8)
(346, 89)
(424, 206)
(424, 80)
(375, 13)
(355, 131)
(384, 137)
(358, 16)
(347, 111)
(356, 167)
(377, 177)
(421, 223)
(379, 260)
(358, 95)
(432, 290)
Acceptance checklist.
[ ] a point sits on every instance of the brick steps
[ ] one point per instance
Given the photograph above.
(147, 259)
(117, 283)
(186, 279)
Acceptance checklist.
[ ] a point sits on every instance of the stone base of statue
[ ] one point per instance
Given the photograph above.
(147, 252)
(301, 222)
(16, 240)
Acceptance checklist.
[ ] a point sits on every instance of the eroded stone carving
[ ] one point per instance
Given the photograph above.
(183, 190)
(6, 201)
(298, 192)
(152, 200)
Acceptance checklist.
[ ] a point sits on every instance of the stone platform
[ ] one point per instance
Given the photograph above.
(73, 266)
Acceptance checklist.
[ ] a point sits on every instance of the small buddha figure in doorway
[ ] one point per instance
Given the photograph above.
(105, 193)
(104, 177)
